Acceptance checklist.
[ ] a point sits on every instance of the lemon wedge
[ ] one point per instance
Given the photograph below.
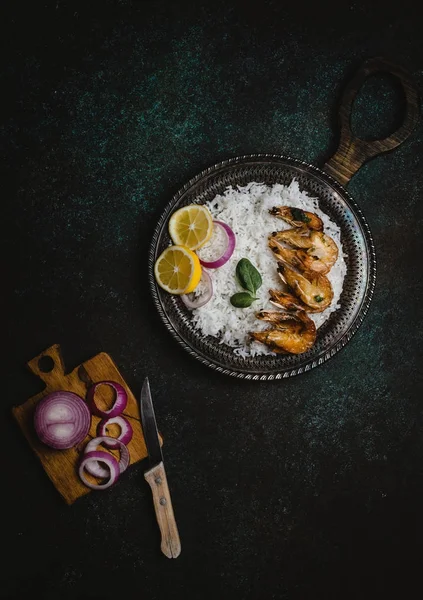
(191, 226)
(178, 270)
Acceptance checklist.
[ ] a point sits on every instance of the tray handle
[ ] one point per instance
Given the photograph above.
(352, 151)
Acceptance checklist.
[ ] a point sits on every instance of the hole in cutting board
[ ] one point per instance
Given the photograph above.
(46, 364)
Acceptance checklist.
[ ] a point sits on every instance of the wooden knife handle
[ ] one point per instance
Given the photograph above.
(157, 480)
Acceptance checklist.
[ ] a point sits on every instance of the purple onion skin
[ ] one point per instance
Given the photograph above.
(192, 304)
(222, 260)
(95, 468)
(119, 405)
(125, 435)
(45, 427)
(103, 457)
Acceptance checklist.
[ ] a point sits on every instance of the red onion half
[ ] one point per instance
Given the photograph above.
(120, 402)
(105, 458)
(125, 435)
(192, 301)
(219, 262)
(94, 467)
(62, 420)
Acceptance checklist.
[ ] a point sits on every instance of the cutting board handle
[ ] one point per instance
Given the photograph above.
(352, 151)
(50, 371)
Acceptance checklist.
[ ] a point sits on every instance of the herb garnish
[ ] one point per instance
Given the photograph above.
(250, 280)
(299, 215)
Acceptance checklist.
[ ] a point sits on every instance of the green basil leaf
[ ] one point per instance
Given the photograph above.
(248, 276)
(242, 300)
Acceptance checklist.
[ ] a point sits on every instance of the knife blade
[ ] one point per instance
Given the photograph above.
(156, 477)
(149, 425)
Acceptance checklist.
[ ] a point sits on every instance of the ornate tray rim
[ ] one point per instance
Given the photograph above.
(371, 282)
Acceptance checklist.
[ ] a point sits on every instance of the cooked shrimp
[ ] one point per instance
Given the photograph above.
(282, 320)
(293, 333)
(298, 259)
(313, 289)
(315, 251)
(289, 302)
(297, 217)
(298, 237)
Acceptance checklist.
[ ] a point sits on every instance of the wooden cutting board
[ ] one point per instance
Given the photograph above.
(61, 465)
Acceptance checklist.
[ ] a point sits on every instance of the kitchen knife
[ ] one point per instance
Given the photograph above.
(156, 477)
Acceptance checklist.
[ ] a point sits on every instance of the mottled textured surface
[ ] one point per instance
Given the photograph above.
(308, 488)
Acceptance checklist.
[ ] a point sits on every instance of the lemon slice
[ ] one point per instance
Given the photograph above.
(191, 226)
(178, 270)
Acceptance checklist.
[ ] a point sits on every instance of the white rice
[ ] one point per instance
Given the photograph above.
(246, 211)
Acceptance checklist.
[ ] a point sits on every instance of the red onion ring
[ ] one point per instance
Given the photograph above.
(191, 301)
(125, 435)
(62, 420)
(107, 459)
(219, 262)
(94, 467)
(120, 402)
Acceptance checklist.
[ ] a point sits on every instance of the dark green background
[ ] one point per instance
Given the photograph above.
(307, 488)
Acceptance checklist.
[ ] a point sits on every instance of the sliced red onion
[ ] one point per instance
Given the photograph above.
(95, 468)
(105, 458)
(191, 301)
(120, 402)
(125, 435)
(219, 262)
(62, 420)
